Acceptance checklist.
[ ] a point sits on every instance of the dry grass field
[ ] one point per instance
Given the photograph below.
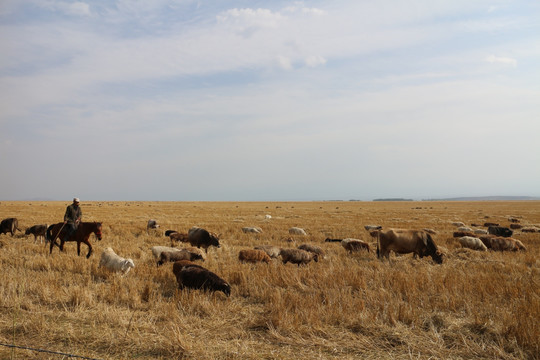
(476, 305)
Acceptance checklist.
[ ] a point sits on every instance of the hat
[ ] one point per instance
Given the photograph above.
(76, 200)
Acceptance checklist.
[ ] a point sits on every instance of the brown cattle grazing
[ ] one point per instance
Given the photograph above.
(403, 241)
(194, 277)
(353, 245)
(9, 225)
(38, 231)
(270, 250)
(312, 248)
(253, 256)
(513, 220)
(530, 230)
(297, 256)
(515, 226)
(488, 224)
(200, 237)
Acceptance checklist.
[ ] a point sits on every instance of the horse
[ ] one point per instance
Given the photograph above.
(82, 234)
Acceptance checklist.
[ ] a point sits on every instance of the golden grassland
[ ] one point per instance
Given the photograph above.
(476, 305)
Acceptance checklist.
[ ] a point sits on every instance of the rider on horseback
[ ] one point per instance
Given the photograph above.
(72, 218)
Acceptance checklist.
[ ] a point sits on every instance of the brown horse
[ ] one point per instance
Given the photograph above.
(82, 234)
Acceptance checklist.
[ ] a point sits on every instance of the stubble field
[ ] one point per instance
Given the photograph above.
(476, 305)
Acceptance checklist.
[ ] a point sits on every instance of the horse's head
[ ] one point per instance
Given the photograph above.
(97, 230)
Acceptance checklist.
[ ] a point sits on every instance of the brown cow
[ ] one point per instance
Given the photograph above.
(403, 241)
(9, 225)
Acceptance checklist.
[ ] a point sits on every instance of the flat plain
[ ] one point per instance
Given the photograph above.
(476, 305)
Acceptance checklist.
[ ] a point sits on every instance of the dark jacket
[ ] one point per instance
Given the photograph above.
(73, 213)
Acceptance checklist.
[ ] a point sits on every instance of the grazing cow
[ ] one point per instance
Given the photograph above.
(506, 244)
(530, 230)
(253, 256)
(500, 231)
(9, 225)
(270, 250)
(172, 256)
(113, 262)
(488, 224)
(38, 231)
(473, 243)
(297, 256)
(254, 230)
(513, 220)
(354, 245)
(403, 241)
(480, 231)
(515, 226)
(333, 240)
(200, 237)
(372, 227)
(464, 229)
(312, 248)
(194, 277)
(152, 224)
(297, 231)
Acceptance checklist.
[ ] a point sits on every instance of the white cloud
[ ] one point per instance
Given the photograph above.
(284, 63)
(502, 60)
(315, 60)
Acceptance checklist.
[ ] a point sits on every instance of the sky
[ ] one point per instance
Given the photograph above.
(268, 100)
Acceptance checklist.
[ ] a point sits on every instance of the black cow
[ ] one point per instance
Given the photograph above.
(500, 231)
(9, 225)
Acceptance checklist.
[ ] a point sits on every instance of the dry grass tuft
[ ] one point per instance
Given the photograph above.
(476, 305)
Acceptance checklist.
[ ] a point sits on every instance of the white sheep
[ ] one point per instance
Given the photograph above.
(472, 243)
(297, 231)
(157, 250)
(116, 263)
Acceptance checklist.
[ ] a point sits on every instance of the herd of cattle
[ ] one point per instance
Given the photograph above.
(488, 236)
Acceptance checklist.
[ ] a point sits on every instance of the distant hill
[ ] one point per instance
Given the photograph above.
(393, 199)
(486, 198)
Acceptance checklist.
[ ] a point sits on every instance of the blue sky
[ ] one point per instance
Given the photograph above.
(259, 100)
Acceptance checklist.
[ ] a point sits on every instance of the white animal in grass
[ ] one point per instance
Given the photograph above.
(110, 260)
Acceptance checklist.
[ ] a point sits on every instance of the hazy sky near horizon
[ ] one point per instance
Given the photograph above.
(259, 100)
